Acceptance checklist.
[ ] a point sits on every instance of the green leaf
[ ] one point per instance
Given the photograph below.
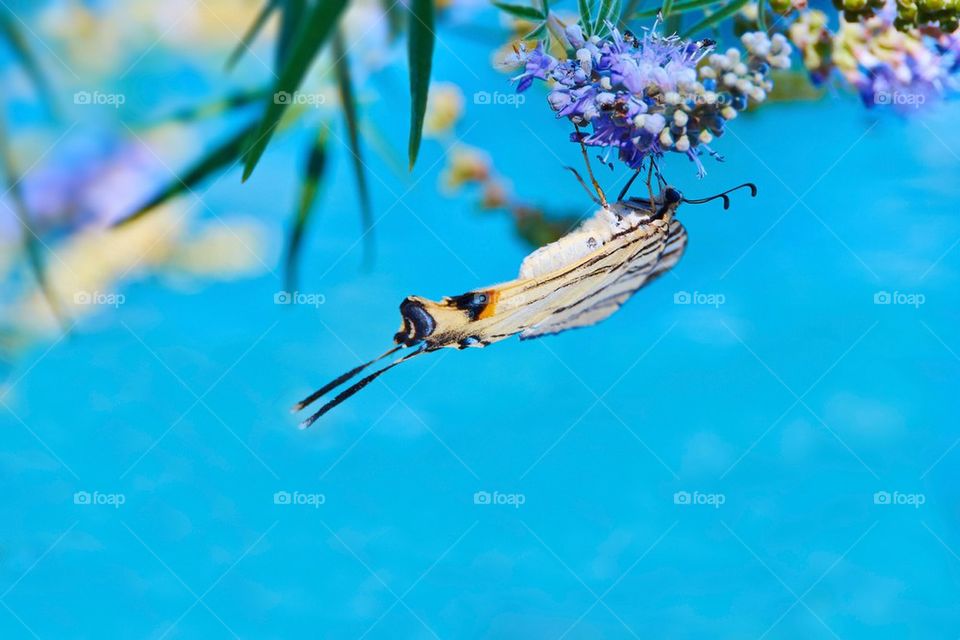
(317, 26)
(538, 31)
(676, 8)
(521, 11)
(609, 12)
(291, 18)
(220, 157)
(313, 173)
(715, 18)
(667, 8)
(10, 31)
(217, 107)
(420, 55)
(31, 242)
(252, 32)
(762, 15)
(585, 20)
(349, 103)
(673, 24)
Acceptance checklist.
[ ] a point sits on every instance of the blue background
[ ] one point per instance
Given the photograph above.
(796, 400)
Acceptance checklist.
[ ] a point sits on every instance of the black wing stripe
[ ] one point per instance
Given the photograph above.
(612, 295)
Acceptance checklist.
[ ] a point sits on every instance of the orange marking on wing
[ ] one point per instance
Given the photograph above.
(493, 295)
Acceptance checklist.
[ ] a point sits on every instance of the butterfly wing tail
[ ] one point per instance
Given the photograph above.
(358, 386)
(327, 388)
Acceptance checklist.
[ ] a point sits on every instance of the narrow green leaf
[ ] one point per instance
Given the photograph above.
(667, 8)
(291, 19)
(609, 9)
(585, 20)
(676, 8)
(762, 14)
(521, 11)
(31, 243)
(537, 32)
(317, 26)
(215, 108)
(313, 172)
(349, 103)
(252, 32)
(673, 24)
(10, 30)
(715, 18)
(420, 55)
(220, 157)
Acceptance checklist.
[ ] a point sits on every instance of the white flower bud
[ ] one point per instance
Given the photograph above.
(680, 118)
(666, 140)
(655, 123)
(683, 144)
(705, 137)
(586, 60)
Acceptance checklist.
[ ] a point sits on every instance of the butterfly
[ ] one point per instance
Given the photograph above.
(576, 281)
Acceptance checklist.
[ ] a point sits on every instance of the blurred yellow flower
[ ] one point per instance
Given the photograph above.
(86, 271)
(465, 165)
(444, 109)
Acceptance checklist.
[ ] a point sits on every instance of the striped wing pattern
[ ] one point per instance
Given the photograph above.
(609, 294)
(578, 294)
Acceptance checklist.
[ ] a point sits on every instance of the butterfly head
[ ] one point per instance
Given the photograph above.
(418, 323)
(668, 199)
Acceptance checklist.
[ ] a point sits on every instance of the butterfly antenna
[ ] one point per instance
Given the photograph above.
(627, 186)
(583, 184)
(347, 393)
(724, 196)
(306, 402)
(593, 179)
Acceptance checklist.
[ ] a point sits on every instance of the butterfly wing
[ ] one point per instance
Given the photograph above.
(550, 299)
(607, 295)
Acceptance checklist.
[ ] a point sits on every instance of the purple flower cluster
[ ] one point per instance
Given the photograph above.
(902, 70)
(647, 95)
